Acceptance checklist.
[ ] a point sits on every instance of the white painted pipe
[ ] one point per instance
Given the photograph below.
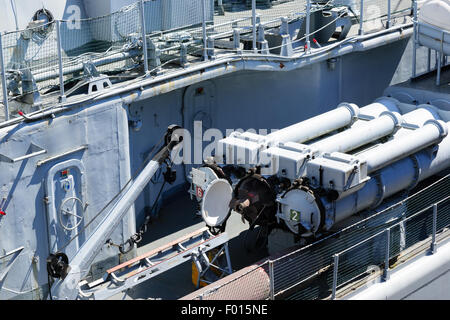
(52, 72)
(66, 289)
(400, 175)
(432, 132)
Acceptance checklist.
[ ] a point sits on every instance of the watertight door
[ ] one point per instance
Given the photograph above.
(66, 206)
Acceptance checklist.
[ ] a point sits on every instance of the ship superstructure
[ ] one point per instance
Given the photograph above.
(89, 87)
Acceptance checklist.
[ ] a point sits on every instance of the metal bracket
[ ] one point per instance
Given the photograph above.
(183, 55)
(237, 40)
(342, 20)
(90, 71)
(30, 92)
(15, 253)
(44, 161)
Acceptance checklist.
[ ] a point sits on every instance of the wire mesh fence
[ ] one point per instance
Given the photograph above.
(367, 247)
(53, 57)
(109, 43)
(360, 259)
(443, 218)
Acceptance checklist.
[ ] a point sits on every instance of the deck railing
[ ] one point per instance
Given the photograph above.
(47, 61)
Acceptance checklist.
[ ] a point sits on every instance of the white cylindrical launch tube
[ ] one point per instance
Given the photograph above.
(432, 132)
(358, 136)
(317, 126)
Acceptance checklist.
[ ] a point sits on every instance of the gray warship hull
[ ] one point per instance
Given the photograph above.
(85, 149)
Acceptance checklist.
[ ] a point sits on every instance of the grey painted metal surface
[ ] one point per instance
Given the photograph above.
(66, 287)
(224, 96)
(12, 255)
(130, 43)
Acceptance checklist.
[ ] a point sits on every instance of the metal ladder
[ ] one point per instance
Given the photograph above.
(193, 246)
